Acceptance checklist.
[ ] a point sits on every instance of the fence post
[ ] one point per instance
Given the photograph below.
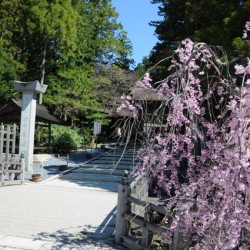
(12, 167)
(179, 241)
(1, 174)
(22, 168)
(147, 236)
(7, 148)
(1, 142)
(122, 225)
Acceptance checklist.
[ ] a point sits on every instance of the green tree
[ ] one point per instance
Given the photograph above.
(61, 43)
(112, 82)
(215, 22)
(7, 74)
(140, 68)
(104, 39)
(35, 31)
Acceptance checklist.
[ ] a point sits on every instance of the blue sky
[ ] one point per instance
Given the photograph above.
(135, 16)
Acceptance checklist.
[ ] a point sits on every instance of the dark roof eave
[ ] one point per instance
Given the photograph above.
(11, 112)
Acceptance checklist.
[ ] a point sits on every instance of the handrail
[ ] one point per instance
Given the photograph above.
(125, 217)
(135, 181)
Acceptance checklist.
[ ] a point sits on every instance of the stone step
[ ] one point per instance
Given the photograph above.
(127, 148)
(91, 177)
(116, 157)
(85, 184)
(83, 170)
(106, 164)
(104, 172)
(112, 161)
(121, 153)
(110, 166)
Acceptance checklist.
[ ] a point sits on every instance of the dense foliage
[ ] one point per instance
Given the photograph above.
(65, 139)
(7, 73)
(61, 43)
(215, 22)
(111, 82)
(197, 148)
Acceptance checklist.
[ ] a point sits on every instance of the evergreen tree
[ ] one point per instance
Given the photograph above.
(7, 74)
(215, 22)
(61, 43)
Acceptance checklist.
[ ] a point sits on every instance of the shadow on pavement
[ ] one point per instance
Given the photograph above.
(84, 237)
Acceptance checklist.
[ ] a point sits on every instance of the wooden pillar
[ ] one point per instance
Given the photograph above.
(13, 145)
(123, 207)
(7, 148)
(1, 142)
(147, 235)
(50, 144)
(1, 154)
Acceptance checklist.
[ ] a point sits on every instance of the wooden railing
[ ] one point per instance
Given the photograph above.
(134, 207)
(133, 212)
(11, 165)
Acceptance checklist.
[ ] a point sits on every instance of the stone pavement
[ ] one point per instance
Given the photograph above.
(71, 211)
(40, 216)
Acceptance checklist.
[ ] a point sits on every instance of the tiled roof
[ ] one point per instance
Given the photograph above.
(11, 112)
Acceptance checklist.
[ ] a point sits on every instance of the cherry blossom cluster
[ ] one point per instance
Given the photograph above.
(199, 156)
(145, 82)
(127, 105)
(219, 193)
(198, 152)
(247, 28)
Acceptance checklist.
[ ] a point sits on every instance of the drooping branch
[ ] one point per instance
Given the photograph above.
(196, 145)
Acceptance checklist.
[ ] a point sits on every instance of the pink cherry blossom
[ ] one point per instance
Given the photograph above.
(239, 69)
(145, 83)
(247, 28)
(198, 154)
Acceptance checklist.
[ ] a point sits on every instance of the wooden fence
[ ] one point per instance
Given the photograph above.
(135, 209)
(136, 213)
(11, 165)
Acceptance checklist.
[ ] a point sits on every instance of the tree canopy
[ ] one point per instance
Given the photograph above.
(61, 43)
(215, 22)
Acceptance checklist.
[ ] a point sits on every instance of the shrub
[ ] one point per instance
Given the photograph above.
(65, 139)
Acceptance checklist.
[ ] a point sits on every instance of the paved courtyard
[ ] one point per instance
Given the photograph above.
(45, 216)
(72, 211)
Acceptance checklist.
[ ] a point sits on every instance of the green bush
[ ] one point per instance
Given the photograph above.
(87, 135)
(65, 139)
(41, 136)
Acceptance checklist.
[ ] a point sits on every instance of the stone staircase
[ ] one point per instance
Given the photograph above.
(98, 177)
(106, 170)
